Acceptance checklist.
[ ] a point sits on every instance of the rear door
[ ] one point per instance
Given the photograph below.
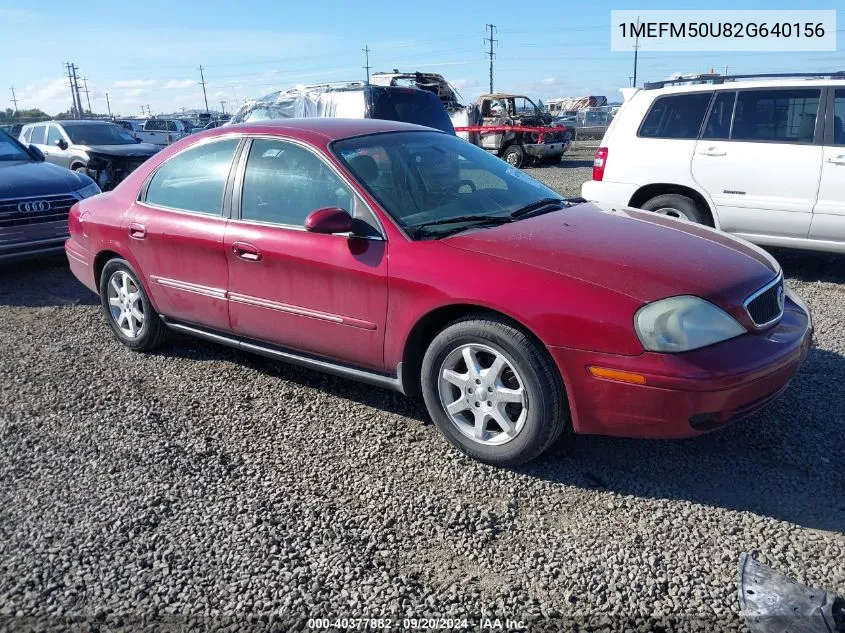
(321, 294)
(175, 233)
(762, 171)
(39, 139)
(829, 212)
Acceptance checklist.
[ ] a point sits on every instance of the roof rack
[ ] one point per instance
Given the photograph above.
(720, 79)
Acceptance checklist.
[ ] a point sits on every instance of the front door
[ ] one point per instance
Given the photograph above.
(175, 233)
(829, 212)
(762, 173)
(320, 294)
(58, 156)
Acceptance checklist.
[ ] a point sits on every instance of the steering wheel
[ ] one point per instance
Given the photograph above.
(456, 188)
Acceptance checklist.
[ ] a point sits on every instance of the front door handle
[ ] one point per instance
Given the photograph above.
(837, 160)
(712, 152)
(137, 231)
(246, 252)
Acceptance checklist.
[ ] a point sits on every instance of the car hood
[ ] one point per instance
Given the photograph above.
(636, 253)
(140, 150)
(23, 179)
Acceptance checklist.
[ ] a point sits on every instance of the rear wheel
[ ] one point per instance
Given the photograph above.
(493, 392)
(127, 308)
(676, 206)
(514, 156)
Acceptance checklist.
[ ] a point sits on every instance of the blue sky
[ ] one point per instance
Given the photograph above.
(148, 52)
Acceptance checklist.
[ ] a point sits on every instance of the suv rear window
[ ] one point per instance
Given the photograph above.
(675, 116)
(410, 105)
(785, 116)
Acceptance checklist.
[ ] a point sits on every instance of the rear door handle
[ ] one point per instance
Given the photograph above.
(246, 252)
(712, 152)
(137, 231)
(838, 160)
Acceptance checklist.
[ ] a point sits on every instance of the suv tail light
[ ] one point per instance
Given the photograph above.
(599, 163)
(169, 139)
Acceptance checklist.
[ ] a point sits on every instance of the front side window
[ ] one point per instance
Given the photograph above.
(839, 117)
(719, 121)
(676, 116)
(53, 135)
(27, 135)
(38, 135)
(195, 179)
(785, 116)
(284, 183)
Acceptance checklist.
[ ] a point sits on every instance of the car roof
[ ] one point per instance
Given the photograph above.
(736, 85)
(330, 129)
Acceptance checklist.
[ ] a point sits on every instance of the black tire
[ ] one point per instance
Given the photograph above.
(153, 332)
(677, 206)
(514, 155)
(548, 411)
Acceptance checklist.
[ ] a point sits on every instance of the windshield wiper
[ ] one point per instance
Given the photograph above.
(545, 205)
(476, 220)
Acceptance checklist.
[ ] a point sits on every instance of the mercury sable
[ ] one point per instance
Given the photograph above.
(409, 259)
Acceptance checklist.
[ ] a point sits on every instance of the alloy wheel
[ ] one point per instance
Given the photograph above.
(125, 305)
(673, 213)
(483, 394)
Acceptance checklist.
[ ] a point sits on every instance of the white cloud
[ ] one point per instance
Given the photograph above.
(549, 80)
(180, 83)
(134, 83)
(135, 92)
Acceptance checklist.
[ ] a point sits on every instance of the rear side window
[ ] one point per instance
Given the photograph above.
(675, 116)
(37, 137)
(784, 116)
(839, 118)
(195, 179)
(718, 124)
(155, 126)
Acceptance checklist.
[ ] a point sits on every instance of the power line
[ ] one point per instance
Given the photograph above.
(204, 96)
(366, 51)
(490, 53)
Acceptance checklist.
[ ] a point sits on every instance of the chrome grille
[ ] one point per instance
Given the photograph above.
(766, 305)
(22, 219)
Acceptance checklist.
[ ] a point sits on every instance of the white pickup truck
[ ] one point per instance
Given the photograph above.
(162, 132)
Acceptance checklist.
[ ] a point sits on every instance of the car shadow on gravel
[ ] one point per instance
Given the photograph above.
(566, 164)
(784, 462)
(44, 282)
(811, 265)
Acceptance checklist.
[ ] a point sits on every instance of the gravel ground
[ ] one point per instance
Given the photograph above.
(202, 488)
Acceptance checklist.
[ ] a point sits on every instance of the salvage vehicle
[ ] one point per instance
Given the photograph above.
(162, 132)
(514, 128)
(100, 149)
(762, 157)
(350, 100)
(515, 314)
(35, 198)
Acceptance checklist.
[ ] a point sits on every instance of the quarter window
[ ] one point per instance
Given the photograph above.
(38, 135)
(785, 116)
(676, 116)
(195, 179)
(284, 183)
(839, 118)
(719, 121)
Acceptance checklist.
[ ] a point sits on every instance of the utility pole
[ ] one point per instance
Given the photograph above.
(223, 107)
(366, 51)
(73, 109)
(491, 41)
(74, 68)
(636, 50)
(15, 100)
(87, 97)
(108, 105)
(204, 96)
(726, 70)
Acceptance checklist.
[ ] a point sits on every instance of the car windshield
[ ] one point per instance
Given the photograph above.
(99, 134)
(11, 150)
(439, 182)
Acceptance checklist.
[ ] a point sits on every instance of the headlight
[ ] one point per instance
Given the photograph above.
(680, 324)
(89, 190)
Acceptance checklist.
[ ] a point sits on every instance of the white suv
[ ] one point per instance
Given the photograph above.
(762, 159)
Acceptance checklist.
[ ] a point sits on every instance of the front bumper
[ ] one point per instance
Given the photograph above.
(18, 251)
(685, 394)
(546, 150)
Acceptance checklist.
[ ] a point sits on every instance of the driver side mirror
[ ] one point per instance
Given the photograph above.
(36, 153)
(61, 144)
(329, 220)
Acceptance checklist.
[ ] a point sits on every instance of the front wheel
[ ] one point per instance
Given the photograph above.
(493, 391)
(514, 156)
(127, 308)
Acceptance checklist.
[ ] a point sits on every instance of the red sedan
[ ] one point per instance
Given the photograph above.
(409, 259)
